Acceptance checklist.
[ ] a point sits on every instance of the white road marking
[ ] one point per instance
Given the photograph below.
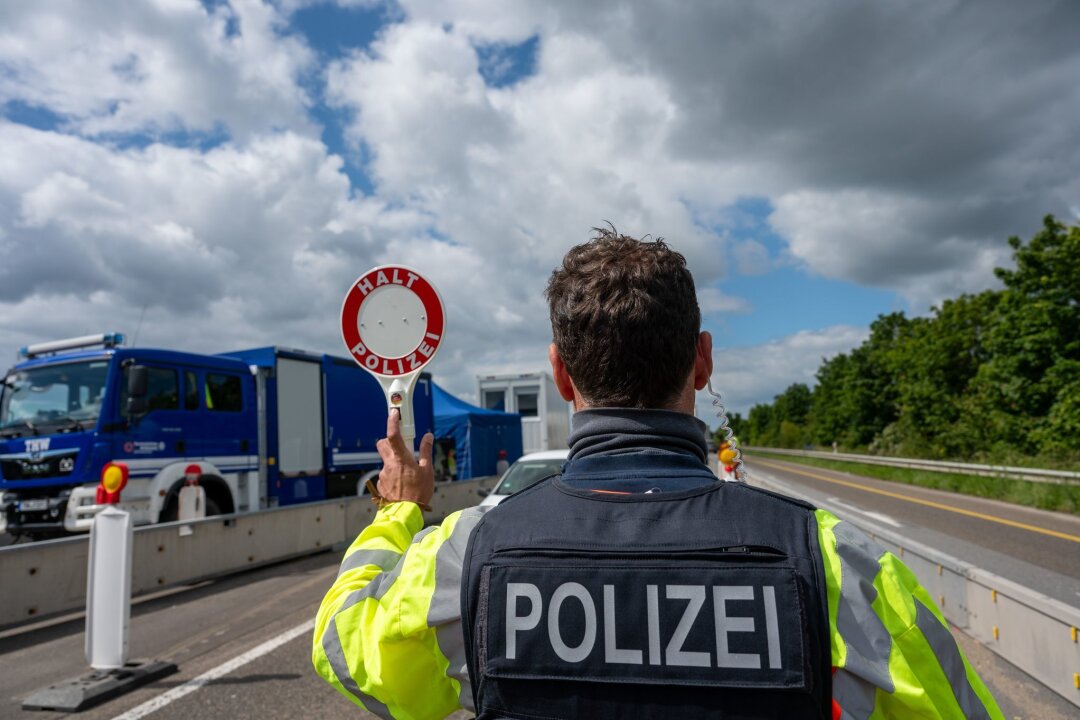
(817, 501)
(225, 668)
(880, 517)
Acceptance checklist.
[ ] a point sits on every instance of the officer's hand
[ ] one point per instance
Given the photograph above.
(402, 478)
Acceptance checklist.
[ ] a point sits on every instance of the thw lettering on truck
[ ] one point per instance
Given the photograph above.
(732, 626)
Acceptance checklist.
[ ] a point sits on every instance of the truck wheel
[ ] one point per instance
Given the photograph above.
(361, 484)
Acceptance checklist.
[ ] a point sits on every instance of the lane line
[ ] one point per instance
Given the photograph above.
(155, 704)
(880, 517)
(928, 503)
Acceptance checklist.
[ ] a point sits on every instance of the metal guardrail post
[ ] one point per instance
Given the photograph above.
(1063, 477)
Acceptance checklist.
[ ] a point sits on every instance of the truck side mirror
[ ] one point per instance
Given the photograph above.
(137, 381)
(137, 387)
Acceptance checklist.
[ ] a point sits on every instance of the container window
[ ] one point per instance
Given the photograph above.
(495, 400)
(527, 404)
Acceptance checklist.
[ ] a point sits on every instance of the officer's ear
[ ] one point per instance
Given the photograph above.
(562, 378)
(703, 365)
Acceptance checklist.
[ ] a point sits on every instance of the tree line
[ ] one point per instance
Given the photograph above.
(989, 375)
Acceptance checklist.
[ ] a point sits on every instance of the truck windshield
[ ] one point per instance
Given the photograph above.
(40, 399)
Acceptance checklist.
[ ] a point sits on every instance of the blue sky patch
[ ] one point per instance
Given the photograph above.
(503, 65)
(232, 23)
(786, 297)
(33, 116)
(356, 155)
(200, 140)
(335, 31)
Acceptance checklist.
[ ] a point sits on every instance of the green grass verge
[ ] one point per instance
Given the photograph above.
(1045, 496)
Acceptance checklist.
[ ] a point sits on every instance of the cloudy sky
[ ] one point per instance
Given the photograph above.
(213, 175)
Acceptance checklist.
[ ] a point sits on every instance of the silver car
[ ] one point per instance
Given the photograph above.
(526, 472)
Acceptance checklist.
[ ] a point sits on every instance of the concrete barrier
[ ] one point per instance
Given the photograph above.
(47, 578)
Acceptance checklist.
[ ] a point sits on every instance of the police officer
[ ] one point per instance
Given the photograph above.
(634, 585)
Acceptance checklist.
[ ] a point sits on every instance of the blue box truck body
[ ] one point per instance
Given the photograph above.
(258, 428)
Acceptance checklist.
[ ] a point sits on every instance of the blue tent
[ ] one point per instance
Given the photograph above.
(478, 434)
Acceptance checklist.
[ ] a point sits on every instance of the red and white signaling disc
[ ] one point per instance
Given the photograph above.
(392, 320)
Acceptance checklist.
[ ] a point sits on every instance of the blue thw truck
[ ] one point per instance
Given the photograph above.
(256, 428)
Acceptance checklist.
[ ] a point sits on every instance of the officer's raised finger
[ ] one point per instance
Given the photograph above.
(393, 433)
(426, 444)
(385, 452)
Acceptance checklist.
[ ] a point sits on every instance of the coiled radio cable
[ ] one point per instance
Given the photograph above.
(727, 432)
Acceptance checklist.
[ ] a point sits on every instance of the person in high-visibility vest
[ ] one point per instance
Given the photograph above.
(451, 463)
(633, 584)
(727, 464)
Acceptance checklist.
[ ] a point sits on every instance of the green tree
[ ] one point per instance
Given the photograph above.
(996, 373)
(933, 365)
(1024, 395)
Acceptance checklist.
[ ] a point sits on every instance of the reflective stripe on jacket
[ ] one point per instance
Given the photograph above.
(388, 634)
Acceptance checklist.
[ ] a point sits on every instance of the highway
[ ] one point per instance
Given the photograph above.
(243, 642)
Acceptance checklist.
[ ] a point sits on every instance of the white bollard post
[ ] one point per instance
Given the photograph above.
(108, 589)
(191, 503)
(108, 612)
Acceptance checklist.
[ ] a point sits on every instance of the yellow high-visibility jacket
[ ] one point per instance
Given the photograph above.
(389, 636)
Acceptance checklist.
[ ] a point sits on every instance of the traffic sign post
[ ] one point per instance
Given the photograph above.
(392, 323)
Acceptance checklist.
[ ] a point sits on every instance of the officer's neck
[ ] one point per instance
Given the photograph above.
(618, 431)
(684, 402)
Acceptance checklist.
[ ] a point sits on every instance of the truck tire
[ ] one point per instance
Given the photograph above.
(361, 484)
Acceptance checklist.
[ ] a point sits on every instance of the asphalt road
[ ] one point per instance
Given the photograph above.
(1036, 548)
(216, 627)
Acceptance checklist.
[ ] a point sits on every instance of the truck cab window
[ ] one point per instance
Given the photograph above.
(162, 389)
(223, 393)
(191, 391)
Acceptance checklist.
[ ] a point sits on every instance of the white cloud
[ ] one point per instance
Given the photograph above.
(905, 169)
(256, 240)
(154, 67)
(712, 300)
(746, 376)
(516, 176)
(870, 238)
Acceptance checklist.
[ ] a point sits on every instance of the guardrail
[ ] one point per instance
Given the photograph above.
(1061, 477)
(47, 578)
(1036, 633)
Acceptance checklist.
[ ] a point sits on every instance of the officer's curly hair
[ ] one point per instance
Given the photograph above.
(625, 320)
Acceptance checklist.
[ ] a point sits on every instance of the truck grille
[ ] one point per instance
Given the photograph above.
(30, 469)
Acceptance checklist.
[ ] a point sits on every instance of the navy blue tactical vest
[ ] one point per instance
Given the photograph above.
(705, 603)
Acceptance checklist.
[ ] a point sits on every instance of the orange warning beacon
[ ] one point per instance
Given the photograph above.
(114, 477)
